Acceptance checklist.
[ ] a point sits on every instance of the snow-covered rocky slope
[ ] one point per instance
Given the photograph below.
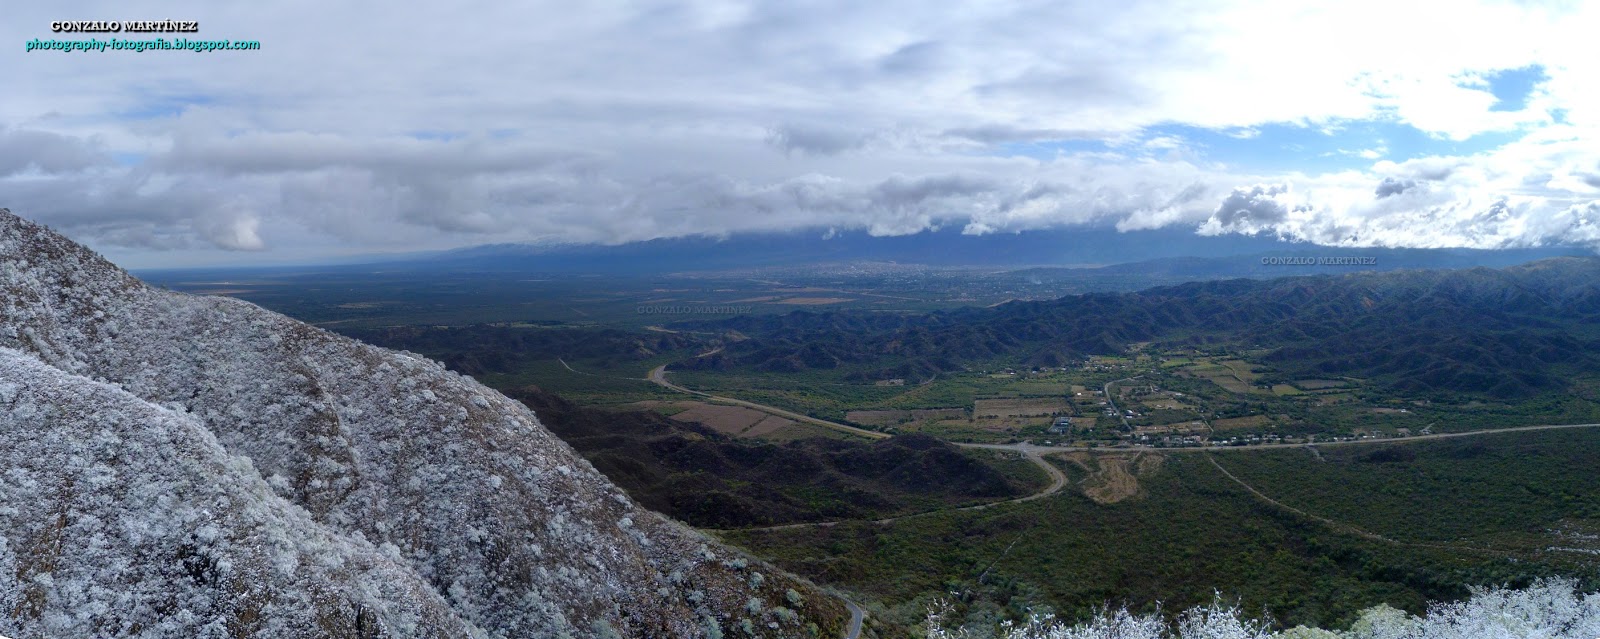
(310, 481)
(119, 517)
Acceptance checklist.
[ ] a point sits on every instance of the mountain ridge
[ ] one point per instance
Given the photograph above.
(1075, 251)
(1479, 330)
(519, 534)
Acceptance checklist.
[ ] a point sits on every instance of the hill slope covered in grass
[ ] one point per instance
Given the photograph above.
(710, 480)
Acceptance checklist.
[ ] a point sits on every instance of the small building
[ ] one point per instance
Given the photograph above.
(1061, 426)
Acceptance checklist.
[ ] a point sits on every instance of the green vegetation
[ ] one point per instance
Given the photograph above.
(708, 479)
(1475, 511)
(1516, 334)
(604, 387)
(1388, 356)
(1477, 490)
(599, 366)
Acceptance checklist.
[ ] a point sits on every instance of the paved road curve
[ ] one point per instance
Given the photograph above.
(1112, 402)
(857, 615)
(1036, 453)
(1058, 479)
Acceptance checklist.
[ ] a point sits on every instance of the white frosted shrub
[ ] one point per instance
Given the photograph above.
(1548, 609)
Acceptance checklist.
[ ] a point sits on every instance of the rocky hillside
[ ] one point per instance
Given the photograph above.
(194, 466)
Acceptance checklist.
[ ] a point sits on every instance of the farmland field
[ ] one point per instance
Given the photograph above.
(1035, 407)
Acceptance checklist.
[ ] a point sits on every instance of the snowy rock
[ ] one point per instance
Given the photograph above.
(503, 528)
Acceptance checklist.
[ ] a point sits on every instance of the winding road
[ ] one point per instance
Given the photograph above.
(1035, 454)
(1058, 479)
(659, 376)
(857, 615)
(1110, 401)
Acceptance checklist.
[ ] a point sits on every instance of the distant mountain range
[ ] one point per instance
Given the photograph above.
(1510, 332)
(1306, 260)
(1165, 250)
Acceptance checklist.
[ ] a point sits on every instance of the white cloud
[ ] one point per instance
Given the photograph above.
(640, 120)
(25, 150)
(235, 231)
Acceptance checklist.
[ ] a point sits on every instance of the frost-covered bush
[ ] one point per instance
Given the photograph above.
(713, 630)
(1550, 609)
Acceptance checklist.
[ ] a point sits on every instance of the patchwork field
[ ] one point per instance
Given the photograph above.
(965, 430)
(769, 425)
(1022, 407)
(1039, 388)
(1179, 428)
(1233, 375)
(1164, 403)
(736, 421)
(730, 420)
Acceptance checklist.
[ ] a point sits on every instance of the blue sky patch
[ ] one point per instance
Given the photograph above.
(1513, 86)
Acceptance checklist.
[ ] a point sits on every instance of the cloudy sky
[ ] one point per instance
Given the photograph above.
(403, 126)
